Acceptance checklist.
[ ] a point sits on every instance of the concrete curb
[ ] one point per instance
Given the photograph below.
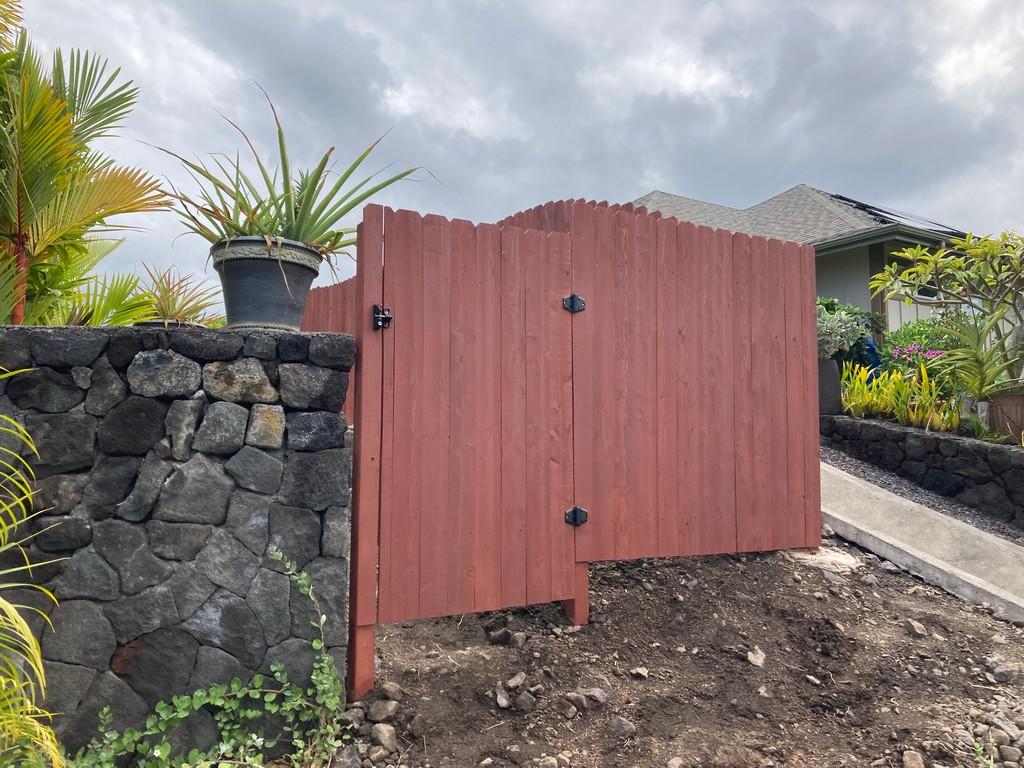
(853, 515)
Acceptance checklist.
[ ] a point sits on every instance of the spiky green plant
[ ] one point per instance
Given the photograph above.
(178, 298)
(980, 364)
(306, 206)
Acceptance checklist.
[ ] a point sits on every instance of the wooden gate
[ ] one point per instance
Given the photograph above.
(576, 361)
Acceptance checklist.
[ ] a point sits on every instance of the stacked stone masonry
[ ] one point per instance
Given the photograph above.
(169, 464)
(986, 476)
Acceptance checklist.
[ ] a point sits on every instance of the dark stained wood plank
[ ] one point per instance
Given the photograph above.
(513, 418)
(583, 384)
(744, 373)
(669, 368)
(809, 356)
(538, 370)
(432, 440)
(640, 378)
(559, 404)
(688, 383)
(367, 458)
(789, 529)
(400, 509)
(768, 358)
(487, 543)
(466, 457)
(716, 528)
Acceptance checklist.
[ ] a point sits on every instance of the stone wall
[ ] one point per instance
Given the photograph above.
(986, 476)
(169, 464)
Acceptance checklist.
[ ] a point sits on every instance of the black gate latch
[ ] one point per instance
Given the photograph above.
(576, 516)
(574, 303)
(381, 317)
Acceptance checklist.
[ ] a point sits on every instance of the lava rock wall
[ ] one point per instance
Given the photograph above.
(169, 464)
(986, 476)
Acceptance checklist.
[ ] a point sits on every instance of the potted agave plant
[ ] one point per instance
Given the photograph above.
(270, 231)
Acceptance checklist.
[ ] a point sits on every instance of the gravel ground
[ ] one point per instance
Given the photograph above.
(908, 490)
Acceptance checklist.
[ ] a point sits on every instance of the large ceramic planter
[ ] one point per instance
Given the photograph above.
(830, 393)
(264, 286)
(1006, 414)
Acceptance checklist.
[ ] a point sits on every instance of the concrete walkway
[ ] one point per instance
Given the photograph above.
(958, 557)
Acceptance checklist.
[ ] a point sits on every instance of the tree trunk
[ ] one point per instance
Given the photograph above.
(21, 284)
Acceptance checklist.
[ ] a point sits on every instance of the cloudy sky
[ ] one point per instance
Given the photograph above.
(911, 104)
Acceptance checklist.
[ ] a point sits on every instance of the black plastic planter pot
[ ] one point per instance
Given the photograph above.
(830, 390)
(264, 287)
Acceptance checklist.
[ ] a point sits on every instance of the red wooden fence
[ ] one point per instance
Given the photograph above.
(333, 308)
(678, 408)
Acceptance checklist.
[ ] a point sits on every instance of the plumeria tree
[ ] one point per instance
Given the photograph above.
(982, 276)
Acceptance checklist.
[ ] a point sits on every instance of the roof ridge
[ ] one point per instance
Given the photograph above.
(828, 201)
(801, 213)
(689, 199)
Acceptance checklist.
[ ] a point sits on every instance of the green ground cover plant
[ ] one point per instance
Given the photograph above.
(306, 722)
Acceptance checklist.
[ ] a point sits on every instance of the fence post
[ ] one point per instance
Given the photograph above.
(369, 290)
(578, 609)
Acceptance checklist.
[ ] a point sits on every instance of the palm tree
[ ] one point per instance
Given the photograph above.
(57, 194)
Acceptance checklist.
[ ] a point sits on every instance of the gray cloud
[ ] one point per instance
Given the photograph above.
(911, 105)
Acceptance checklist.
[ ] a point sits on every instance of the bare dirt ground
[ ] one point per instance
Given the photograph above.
(847, 678)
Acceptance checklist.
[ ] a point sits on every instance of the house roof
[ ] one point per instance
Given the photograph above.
(802, 214)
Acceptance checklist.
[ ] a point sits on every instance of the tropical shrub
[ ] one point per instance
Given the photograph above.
(837, 332)
(862, 350)
(914, 400)
(922, 341)
(872, 321)
(58, 193)
(25, 733)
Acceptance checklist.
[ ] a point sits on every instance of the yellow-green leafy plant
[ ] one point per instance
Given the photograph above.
(25, 733)
(914, 400)
(181, 299)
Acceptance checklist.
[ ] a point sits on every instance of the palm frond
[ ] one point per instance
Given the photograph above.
(85, 206)
(10, 23)
(111, 300)
(97, 101)
(38, 147)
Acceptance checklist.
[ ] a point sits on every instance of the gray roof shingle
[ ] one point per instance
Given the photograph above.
(802, 214)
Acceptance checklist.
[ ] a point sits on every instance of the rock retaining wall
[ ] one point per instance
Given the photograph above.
(986, 476)
(169, 464)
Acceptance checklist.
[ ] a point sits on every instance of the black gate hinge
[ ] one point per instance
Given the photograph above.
(576, 516)
(381, 317)
(574, 303)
